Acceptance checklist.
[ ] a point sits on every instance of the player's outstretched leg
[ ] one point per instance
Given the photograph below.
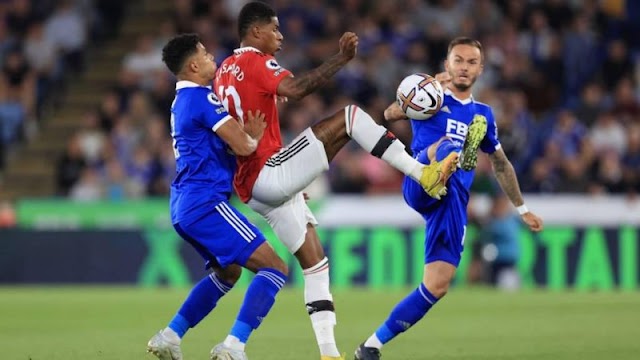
(271, 275)
(203, 298)
(355, 123)
(476, 132)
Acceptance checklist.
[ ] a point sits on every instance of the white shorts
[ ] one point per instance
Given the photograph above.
(277, 193)
(288, 221)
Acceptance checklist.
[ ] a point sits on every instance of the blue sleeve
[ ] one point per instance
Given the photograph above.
(211, 113)
(490, 143)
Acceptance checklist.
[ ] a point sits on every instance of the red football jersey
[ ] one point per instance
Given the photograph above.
(248, 81)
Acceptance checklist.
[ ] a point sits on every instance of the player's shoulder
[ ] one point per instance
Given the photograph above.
(481, 105)
(483, 108)
(191, 91)
(198, 95)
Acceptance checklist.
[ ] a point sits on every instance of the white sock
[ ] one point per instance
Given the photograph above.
(316, 288)
(234, 343)
(361, 128)
(399, 159)
(171, 335)
(373, 342)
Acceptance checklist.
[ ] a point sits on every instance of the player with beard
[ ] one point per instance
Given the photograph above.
(460, 127)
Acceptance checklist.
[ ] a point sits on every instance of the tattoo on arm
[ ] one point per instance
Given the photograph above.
(309, 82)
(506, 176)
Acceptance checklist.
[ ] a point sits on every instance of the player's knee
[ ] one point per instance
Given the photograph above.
(278, 264)
(437, 287)
(311, 253)
(230, 274)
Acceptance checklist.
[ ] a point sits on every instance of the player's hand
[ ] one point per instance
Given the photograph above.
(348, 45)
(394, 113)
(254, 124)
(443, 78)
(533, 220)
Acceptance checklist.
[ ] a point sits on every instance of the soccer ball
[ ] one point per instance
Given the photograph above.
(420, 96)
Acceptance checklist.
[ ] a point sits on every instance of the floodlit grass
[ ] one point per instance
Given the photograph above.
(66, 323)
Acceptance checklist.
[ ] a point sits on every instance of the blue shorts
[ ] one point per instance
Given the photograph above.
(446, 219)
(222, 236)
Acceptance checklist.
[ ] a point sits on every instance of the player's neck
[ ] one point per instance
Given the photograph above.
(194, 79)
(459, 94)
(250, 44)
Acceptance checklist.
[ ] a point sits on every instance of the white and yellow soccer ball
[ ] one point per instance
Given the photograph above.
(420, 96)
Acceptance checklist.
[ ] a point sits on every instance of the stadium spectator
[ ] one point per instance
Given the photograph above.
(499, 237)
(42, 57)
(66, 29)
(70, 166)
(144, 61)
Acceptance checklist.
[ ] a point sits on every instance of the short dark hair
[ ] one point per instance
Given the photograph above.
(251, 13)
(178, 50)
(463, 40)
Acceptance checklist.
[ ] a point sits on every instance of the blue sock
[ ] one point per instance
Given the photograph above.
(445, 148)
(258, 300)
(202, 299)
(406, 314)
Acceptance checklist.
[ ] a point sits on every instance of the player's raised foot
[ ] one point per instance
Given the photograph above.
(367, 353)
(164, 349)
(476, 132)
(444, 156)
(221, 352)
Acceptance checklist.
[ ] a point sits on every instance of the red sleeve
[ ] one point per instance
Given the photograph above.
(269, 73)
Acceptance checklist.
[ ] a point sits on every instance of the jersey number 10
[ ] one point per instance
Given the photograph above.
(231, 91)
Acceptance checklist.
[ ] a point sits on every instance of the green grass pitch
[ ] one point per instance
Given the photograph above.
(52, 323)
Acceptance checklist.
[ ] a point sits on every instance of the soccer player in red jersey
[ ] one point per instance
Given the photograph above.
(271, 179)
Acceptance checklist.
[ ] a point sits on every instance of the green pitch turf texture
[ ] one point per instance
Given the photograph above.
(115, 323)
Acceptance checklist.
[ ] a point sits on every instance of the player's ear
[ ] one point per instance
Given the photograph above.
(255, 31)
(446, 64)
(193, 65)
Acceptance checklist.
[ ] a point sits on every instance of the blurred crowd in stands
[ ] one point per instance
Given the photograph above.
(562, 76)
(42, 44)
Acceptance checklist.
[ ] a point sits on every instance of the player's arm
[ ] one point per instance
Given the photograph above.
(394, 113)
(506, 176)
(301, 86)
(243, 140)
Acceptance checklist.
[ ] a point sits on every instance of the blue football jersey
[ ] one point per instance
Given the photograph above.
(204, 163)
(453, 120)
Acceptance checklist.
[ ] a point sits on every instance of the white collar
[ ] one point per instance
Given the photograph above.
(462, 101)
(188, 84)
(246, 49)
